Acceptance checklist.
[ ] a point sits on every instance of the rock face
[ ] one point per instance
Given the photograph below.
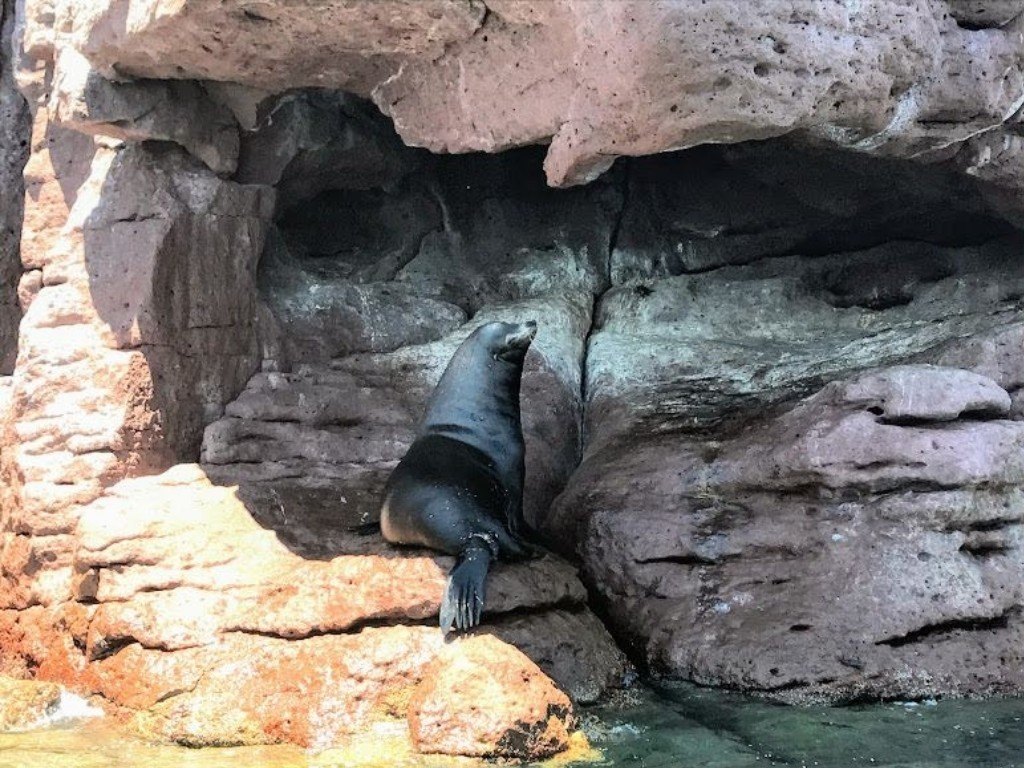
(863, 543)
(599, 80)
(774, 407)
(14, 134)
(206, 627)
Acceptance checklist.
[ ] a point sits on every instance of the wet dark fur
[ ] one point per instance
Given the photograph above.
(459, 488)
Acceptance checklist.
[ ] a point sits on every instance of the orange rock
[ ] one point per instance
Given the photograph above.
(484, 698)
(24, 703)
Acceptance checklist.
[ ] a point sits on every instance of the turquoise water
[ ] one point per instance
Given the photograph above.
(689, 727)
(677, 727)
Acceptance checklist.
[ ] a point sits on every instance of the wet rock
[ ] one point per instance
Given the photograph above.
(486, 699)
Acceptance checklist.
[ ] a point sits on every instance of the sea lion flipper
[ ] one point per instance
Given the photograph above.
(463, 600)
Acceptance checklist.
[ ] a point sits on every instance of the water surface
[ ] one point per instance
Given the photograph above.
(677, 727)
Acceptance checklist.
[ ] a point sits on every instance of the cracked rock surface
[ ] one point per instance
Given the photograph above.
(864, 542)
(203, 626)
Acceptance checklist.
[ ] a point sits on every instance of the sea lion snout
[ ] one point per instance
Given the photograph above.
(523, 335)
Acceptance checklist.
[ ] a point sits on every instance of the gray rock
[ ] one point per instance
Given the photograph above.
(312, 449)
(144, 110)
(985, 13)
(15, 131)
(314, 141)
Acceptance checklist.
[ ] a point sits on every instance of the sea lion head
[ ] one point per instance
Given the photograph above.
(507, 341)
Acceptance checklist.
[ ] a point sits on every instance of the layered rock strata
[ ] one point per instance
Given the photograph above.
(864, 543)
(204, 626)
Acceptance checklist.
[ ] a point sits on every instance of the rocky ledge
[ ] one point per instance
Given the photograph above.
(596, 80)
(203, 627)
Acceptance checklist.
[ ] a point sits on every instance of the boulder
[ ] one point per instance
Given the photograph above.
(596, 81)
(746, 526)
(486, 699)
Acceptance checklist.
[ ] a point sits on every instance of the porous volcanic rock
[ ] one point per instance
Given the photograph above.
(596, 80)
(791, 368)
(205, 627)
(486, 699)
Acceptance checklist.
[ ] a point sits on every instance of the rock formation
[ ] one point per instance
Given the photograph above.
(773, 410)
(14, 125)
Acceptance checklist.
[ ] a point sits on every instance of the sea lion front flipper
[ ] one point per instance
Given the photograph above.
(463, 601)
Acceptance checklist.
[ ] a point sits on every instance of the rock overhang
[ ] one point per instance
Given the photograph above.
(595, 81)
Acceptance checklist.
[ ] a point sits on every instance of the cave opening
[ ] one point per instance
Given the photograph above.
(677, 293)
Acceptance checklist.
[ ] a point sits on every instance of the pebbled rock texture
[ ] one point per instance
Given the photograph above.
(25, 704)
(596, 81)
(474, 691)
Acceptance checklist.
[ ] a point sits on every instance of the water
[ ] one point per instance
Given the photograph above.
(678, 727)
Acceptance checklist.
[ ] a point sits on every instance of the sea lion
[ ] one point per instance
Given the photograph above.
(459, 488)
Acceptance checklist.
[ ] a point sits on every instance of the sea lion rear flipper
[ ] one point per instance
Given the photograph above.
(463, 601)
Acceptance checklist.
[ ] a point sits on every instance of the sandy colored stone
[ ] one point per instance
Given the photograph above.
(206, 628)
(484, 698)
(25, 703)
(116, 240)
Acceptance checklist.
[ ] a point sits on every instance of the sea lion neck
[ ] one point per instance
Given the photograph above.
(477, 400)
